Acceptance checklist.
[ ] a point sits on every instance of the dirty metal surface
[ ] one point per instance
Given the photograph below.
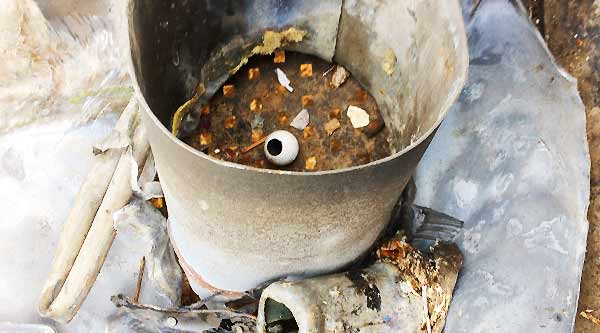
(258, 105)
(572, 30)
(511, 161)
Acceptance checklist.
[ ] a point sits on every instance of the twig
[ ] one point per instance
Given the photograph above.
(329, 70)
(123, 301)
(254, 145)
(589, 316)
(138, 286)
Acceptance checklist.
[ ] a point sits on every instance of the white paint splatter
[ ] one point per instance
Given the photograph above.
(465, 192)
(543, 236)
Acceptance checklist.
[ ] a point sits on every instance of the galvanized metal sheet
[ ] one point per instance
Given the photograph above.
(511, 160)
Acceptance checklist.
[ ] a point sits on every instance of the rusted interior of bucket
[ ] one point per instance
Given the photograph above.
(252, 104)
(183, 47)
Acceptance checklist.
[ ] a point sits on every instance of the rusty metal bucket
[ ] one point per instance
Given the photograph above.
(235, 226)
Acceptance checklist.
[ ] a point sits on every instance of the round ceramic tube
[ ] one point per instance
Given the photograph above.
(281, 148)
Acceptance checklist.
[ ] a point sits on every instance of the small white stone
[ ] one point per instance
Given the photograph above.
(283, 80)
(358, 117)
(301, 120)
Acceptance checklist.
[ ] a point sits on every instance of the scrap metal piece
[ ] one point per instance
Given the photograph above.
(425, 226)
(512, 162)
(402, 292)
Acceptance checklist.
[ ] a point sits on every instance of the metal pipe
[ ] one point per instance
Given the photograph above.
(404, 292)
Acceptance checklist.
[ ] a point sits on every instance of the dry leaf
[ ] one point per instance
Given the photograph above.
(306, 70)
(255, 105)
(332, 126)
(228, 90)
(307, 100)
(253, 73)
(308, 132)
(230, 122)
(310, 163)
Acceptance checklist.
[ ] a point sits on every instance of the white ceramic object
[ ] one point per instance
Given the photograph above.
(281, 148)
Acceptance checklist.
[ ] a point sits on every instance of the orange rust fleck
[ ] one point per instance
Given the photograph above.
(361, 96)
(230, 122)
(336, 145)
(308, 132)
(310, 163)
(229, 90)
(579, 42)
(282, 118)
(255, 105)
(332, 126)
(257, 134)
(335, 113)
(159, 203)
(306, 70)
(205, 110)
(232, 152)
(205, 138)
(281, 89)
(253, 73)
(279, 56)
(307, 100)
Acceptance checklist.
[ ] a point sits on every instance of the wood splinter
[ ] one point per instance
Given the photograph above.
(254, 145)
(138, 285)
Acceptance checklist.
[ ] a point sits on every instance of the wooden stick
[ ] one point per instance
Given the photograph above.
(138, 285)
(254, 145)
(82, 213)
(99, 239)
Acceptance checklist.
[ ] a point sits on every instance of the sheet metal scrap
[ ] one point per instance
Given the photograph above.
(404, 291)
